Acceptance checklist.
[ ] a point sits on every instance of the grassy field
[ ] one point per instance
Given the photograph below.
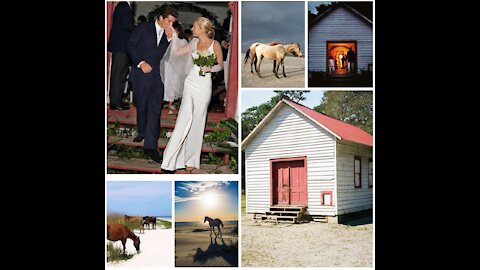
(244, 203)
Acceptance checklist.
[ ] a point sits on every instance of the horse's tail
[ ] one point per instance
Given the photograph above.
(247, 55)
(221, 222)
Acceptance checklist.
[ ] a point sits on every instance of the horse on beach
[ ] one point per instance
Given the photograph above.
(135, 220)
(273, 50)
(276, 53)
(147, 220)
(252, 55)
(214, 223)
(117, 232)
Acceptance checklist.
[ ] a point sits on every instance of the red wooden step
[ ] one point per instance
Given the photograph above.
(162, 144)
(149, 166)
(132, 113)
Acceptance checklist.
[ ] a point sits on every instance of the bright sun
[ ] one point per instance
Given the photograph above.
(209, 200)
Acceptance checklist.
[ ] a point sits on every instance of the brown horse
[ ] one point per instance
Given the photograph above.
(276, 53)
(117, 232)
(253, 57)
(135, 220)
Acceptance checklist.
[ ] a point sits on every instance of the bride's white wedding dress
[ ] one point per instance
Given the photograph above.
(185, 144)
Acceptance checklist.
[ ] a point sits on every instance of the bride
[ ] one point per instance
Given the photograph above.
(184, 147)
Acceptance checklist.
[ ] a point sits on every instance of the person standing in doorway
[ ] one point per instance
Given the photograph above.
(351, 60)
(146, 47)
(123, 24)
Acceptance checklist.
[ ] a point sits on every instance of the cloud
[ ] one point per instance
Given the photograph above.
(186, 199)
(197, 188)
(269, 21)
(125, 190)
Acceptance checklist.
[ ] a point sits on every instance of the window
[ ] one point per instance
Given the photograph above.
(357, 172)
(327, 198)
(370, 172)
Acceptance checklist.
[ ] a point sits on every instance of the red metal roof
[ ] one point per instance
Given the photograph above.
(343, 130)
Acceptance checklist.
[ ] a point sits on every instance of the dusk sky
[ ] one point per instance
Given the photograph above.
(313, 4)
(140, 198)
(196, 199)
(273, 21)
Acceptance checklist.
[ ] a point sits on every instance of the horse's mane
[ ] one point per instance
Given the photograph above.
(273, 43)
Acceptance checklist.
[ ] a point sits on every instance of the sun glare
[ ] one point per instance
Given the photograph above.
(209, 199)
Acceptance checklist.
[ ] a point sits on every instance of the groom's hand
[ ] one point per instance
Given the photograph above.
(146, 68)
(169, 32)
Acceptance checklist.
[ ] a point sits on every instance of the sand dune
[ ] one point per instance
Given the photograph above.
(195, 247)
(156, 249)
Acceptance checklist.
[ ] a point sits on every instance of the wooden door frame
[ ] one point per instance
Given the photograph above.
(273, 160)
(328, 53)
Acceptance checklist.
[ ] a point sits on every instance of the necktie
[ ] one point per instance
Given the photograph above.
(159, 36)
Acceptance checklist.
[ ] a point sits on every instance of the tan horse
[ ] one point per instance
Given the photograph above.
(276, 53)
(252, 55)
(135, 220)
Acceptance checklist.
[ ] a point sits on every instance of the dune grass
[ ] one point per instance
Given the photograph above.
(115, 254)
(164, 224)
(244, 204)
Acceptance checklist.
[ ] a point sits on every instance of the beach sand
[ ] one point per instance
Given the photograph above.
(155, 250)
(194, 247)
(294, 69)
(306, 245)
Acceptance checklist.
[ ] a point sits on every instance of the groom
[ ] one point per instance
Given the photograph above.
(146, 48)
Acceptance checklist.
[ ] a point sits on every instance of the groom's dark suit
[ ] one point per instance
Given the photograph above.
(147, 88)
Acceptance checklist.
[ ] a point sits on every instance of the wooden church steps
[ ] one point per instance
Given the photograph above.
(282, 213)
(129, 118)
(162, 144)
(150, 166)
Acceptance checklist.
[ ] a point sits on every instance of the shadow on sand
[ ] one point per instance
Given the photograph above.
(228, 253)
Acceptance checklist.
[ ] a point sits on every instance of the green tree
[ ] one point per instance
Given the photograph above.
(353, 107)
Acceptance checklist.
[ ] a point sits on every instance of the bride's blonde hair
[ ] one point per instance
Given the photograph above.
(206, 25)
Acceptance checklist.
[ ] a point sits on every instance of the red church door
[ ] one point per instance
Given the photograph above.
(289, 182)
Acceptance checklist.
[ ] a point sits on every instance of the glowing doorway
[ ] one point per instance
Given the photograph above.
(341, 58)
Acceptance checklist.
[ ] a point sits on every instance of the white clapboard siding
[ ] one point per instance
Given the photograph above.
(290, 134)
(341, 24)
(349, 198)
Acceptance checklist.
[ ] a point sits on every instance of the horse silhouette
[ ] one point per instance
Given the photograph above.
(214, 223)
(117, 232)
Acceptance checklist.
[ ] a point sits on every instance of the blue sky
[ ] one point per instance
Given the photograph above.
(257, 97)
(196, 199)
(312, 5)
(140, 198)
(267, 21)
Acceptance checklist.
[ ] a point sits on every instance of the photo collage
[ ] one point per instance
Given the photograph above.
(239, 134)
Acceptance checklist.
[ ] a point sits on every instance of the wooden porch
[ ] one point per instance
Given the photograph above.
(126, 120)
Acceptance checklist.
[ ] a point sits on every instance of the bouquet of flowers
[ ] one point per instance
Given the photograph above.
(203, 60)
